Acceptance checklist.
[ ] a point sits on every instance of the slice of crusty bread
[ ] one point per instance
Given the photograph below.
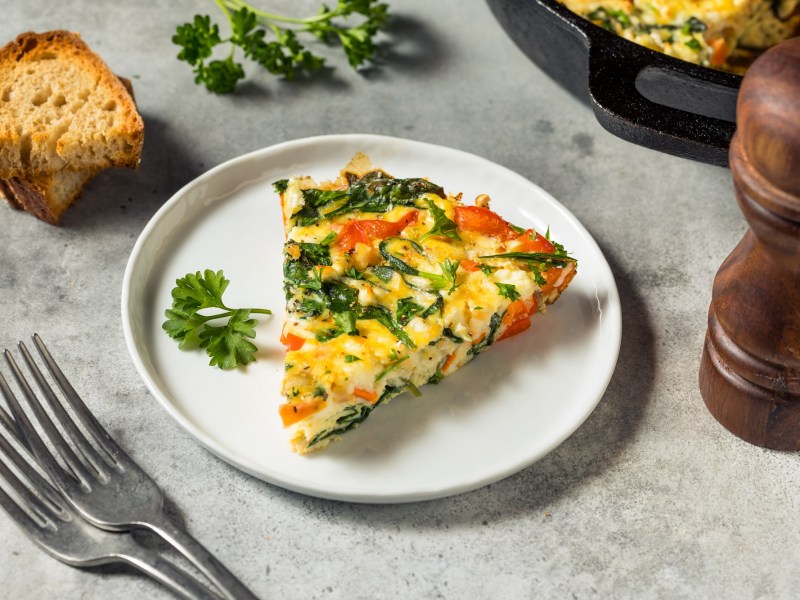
(48, 196)
(61, 107)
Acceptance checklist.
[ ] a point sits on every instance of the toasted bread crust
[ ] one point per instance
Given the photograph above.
(46, 197)
(7, 195)
(61, 107)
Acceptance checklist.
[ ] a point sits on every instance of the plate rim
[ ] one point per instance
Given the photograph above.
(301, 485)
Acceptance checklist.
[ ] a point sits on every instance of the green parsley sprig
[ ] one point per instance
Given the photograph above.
(284, 55)
(226, 344)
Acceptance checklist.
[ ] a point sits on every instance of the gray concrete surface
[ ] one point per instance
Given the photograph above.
(650, 498)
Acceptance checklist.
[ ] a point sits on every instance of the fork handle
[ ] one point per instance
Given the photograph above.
(226, 582)
(176, 579)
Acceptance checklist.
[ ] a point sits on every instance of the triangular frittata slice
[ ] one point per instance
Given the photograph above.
(391, 284)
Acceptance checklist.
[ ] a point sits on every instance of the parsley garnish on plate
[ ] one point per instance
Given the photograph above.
(227, 344)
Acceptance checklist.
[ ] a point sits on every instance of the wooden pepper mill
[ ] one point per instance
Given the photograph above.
(750, 370)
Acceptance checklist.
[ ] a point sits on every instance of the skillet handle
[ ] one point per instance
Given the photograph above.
(624, 111)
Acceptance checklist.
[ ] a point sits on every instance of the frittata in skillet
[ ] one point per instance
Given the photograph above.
(391, 284)
(723, 34)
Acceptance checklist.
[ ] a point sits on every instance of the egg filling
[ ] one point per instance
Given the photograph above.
(722, 34)
(391, 284)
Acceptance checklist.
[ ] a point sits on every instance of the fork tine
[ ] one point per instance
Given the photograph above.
(75, 471)
(48, 492)
(10, 425)
(34, 504)
(75, 434)
(93, 426)
(18, 514)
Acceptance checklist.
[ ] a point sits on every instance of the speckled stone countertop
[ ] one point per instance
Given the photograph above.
(650, 498)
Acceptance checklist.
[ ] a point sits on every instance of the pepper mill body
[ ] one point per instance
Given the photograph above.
(750, 369)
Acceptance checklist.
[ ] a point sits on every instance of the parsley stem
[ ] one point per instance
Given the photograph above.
(224, 8)
(268, 16)
(229, 312)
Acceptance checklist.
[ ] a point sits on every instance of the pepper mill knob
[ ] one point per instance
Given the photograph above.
(750, 370)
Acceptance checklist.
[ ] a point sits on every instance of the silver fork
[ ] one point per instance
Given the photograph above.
(41, 512)
(104, 484)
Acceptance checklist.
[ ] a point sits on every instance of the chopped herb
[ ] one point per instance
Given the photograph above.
(693, 25)
(312, 305)
(606, 17)
(353, 273)
(354, 415)
(445, 280)
(328, 239)
(346, 322)
(394, 361)
(557, 259)
(382, 316)
(487, 270)
(507, 290)
(342, 301)
(395, 261)
(437, 305)
(449, 269)
(448, 333)
(315, 283)
(442, 225)
(341, 297)
(412, 388)
(374, 192)
(694, 44)
(313, 255)
(621, 17)
(407, 309)
(348, 358)
(437, 376)
(559, 248)
(297, 275)
(494, 324)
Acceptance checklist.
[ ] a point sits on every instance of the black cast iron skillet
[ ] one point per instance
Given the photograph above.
(636, 93)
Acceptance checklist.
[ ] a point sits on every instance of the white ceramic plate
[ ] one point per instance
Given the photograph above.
(505, 410)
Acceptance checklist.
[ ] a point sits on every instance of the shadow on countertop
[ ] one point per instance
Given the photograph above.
(127, 198)
(412, 48)
(597, 444)
(590, 451)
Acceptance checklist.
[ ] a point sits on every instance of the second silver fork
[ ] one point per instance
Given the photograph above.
(43, 514)
(104, 484)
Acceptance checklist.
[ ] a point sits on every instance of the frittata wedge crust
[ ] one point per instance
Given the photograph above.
(391, 284)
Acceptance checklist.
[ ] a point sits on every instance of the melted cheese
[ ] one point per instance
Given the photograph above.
(370, 327)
